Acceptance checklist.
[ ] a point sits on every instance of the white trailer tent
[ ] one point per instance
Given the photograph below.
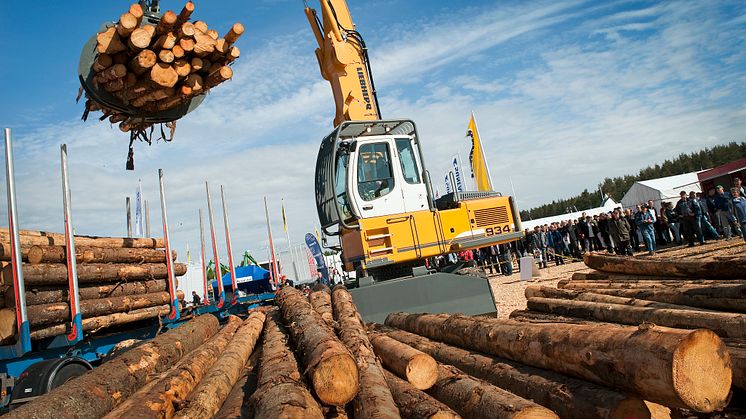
(665, 189)
(609, 205)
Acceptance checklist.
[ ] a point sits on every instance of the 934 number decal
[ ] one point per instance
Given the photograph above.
(491, 231)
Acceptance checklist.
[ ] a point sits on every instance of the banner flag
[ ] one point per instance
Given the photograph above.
(479, 170)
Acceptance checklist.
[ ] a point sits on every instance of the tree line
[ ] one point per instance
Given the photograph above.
(616, 187)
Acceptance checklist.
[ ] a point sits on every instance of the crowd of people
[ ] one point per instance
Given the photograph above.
(694, 218)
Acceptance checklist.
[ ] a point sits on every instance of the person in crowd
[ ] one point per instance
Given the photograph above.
(603, 228)
(555, 243)
(195, 299)
(582, 228)
(505, 258)
(738, 205)
(651, 207)
(738, 185)
(539, 244)
(634, 240)
(703, 223)
(687, 218)
(661, 228)
(619, 232)
(645, 222)
(596, 234)
(673, 222)
(708, 206)
(722, 210)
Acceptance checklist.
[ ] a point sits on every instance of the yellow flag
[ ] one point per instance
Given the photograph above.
(284, 220)
(318, 236)
(479, 170)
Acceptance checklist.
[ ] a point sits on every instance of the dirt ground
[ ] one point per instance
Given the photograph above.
(509, 290)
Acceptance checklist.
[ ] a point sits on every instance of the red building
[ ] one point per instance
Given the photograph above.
(722, 175)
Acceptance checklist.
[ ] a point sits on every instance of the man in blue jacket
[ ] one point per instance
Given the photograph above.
(645, 221)
(722, 211)
(554, 241)
(738, 203)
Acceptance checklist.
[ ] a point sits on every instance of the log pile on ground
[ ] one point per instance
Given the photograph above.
(688, 294)
(121, 280)
(291, 362)
(152, 66)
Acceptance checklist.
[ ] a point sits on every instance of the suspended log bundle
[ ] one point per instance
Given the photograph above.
(659, 364)
(121, 281)
(146, 67)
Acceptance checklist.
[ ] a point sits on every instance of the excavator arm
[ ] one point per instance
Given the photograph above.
(343, 61)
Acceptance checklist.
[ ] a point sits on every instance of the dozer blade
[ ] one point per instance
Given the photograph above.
(434, 293)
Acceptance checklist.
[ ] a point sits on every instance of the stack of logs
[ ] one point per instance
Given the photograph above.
(680, 294)
(153, 68)
(316, 358)
(121, 280)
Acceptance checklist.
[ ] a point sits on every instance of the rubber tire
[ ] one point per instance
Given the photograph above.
(67, 373)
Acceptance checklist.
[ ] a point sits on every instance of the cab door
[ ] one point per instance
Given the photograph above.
(372, 181)
(413, 190)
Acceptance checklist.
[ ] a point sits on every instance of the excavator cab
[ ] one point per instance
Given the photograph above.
(373, 193)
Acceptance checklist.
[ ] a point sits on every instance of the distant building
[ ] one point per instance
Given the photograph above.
(722, 175)
(665, 189)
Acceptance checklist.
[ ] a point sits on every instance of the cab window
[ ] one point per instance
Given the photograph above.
(408, 160)
(374, 175)
(340, 186)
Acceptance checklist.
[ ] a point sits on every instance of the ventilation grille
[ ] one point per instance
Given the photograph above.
(491, 216)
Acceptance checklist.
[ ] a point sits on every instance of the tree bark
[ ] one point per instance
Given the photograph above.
(102, 62)
(218, 76)
(236, 405)
(5, 252)
(56, 273)
(114, 72)
(473, 398)
(94, 324)
(737, 349)
(566, 396)
(48, 295)
(207, 398)
(158, 398)
(573, 285)
(321, 301)
(724, 298)
(186, 11)
(57, 254)
(330, 366)
(418, 368)
(730, 325)
(621, 277)
(677, 268)
(97, 392)
(280, 390)
(43, 238)
(660, 364)
(234, 33)
(374, 401)
(45, 314)
(538, 291)
(416, 404)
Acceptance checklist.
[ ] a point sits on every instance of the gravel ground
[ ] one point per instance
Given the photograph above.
(509, 290)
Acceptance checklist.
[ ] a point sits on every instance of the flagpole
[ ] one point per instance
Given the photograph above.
(481, 149)
(273, 260)
(287, 236)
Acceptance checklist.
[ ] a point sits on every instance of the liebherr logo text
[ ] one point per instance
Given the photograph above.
(364, 88)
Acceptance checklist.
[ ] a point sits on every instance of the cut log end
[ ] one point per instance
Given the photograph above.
(702, 376)
(7, 324)
(422, 371)
(631, 407)
(335, 380)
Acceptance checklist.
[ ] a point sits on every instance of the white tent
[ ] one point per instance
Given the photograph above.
(608, 205)
(665, 189)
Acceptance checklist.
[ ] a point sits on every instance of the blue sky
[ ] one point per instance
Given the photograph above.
(565, 92)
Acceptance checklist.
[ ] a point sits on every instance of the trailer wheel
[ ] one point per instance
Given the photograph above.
(66, 373)
(44, 376)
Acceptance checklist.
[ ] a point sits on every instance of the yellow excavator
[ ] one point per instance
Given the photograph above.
(373, 193)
